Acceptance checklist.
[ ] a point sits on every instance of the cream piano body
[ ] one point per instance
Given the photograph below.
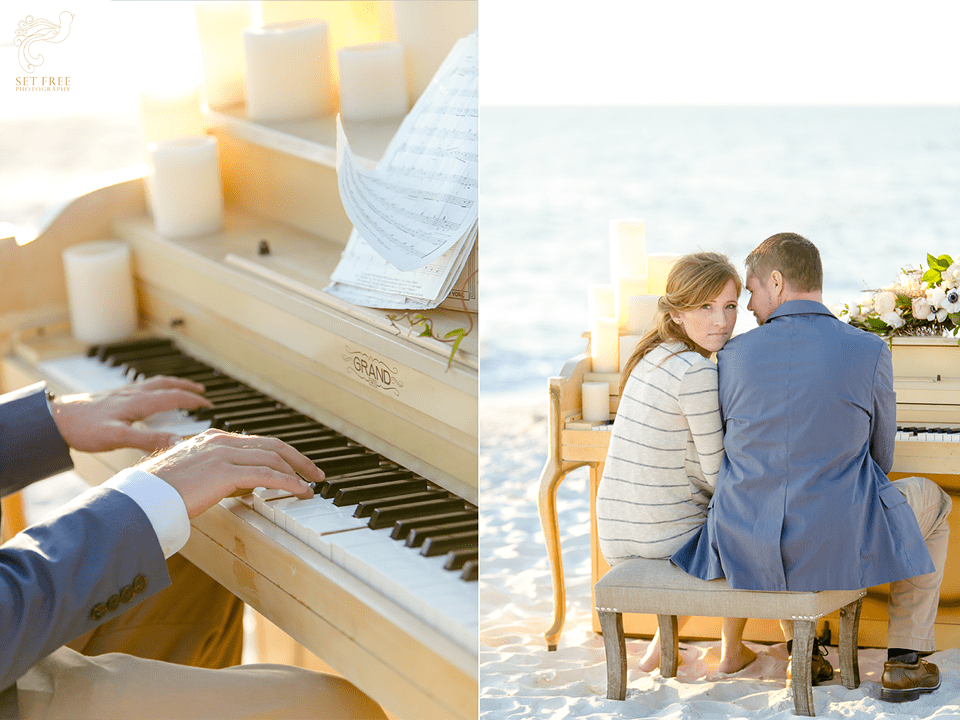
(264, 320)
(927, 383)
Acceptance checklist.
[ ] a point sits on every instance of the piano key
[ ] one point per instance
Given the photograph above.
(100, 351)
(456, 559)
(262, 424)
(418, 536)
(444, 544)
(471, 571)
(366, 508)
(344, 464)
(356, 494)
(402, 528)
(219, 408)
(329, 487)
(121, 357)
(404, 512)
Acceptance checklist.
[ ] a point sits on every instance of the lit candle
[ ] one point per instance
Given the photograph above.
(627, 288)
(658, 268)
(287, 71)
(185, 188)
(604, 345)
(627, 249)
(600, 302)
(596, 401)
(373, 82)
(171, 113)
(220, 25)
(428, 30)
(628, 343)
(642, 313)
(100, 293)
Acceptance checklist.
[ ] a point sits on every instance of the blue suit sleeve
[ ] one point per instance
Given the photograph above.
(81, 566)
(883, 430)
(31, 447)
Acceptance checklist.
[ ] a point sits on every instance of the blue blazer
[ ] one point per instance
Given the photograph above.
(802, 500)
(80, 566)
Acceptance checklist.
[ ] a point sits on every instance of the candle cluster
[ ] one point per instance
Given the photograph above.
(622, 311)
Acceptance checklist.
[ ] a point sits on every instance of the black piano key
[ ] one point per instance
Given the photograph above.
(418, 536)
(219, 408)
(384, 517)
(101, 351)
(329, 488)
(261, 425)
(401, 528)
(341, 465)
(442, 545)
(281, 428)
(366, 508)
(471, 571)
(156, 364)
(354, 495)
(113, 359)
(456, 559)
(320, 442)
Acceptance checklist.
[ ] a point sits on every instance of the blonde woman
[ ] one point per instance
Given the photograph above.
(667, 440)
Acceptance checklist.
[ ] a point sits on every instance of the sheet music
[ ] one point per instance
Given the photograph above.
(422, 197)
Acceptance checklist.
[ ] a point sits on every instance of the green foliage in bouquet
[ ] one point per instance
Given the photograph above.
(919, 303)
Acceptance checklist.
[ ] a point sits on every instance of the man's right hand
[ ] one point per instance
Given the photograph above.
(208, 467)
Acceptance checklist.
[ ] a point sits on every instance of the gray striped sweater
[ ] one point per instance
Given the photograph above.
(665, 452)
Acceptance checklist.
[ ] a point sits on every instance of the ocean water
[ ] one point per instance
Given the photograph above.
(876, 188)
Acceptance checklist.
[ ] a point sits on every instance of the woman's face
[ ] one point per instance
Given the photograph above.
(711, 324)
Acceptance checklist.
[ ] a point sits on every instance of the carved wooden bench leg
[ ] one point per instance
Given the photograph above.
(849, 635)
(800, 666)
(615, 646)
(669, 645)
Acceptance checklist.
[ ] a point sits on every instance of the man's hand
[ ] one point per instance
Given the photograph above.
(104, 421)
(208, 467)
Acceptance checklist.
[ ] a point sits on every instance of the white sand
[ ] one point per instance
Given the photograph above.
(519, 678)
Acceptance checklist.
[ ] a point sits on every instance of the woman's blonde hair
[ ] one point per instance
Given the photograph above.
(694, 279)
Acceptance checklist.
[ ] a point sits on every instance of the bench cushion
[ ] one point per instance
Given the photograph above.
(659, 587)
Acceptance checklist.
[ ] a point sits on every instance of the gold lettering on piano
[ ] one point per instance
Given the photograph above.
(373, 371)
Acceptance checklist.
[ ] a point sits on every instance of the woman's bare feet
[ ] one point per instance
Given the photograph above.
(651, 658)
(736, 658)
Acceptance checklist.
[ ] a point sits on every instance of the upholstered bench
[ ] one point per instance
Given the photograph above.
(659, 588)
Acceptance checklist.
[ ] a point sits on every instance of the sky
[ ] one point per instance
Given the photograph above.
(719, 52)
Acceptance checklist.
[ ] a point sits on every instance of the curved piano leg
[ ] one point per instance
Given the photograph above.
(550, 480)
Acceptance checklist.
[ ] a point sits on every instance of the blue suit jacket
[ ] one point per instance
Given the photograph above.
(802, 499)
(80, 566)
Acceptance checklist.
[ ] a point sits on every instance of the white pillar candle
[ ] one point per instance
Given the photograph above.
(642, 313)
(628, 343)
(628, 249)
(596, 401)
(171, 113)
(220, 25)
(428, 30)
(658, 268)
(373, 82)
(185, 187)
(287, 71)
(628, 287)
(604, 345)
(100, 293)
(600, 302)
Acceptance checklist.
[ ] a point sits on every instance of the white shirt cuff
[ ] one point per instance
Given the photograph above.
(162, 504)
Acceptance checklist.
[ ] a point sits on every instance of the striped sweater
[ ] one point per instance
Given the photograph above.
(665, 452)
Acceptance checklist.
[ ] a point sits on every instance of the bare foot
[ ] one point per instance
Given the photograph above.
(651, 658)
(736, 659)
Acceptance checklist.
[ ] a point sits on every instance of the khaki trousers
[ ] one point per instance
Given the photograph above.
(70, 686)
(912, 609)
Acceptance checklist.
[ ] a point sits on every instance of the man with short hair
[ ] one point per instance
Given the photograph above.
(803, 502)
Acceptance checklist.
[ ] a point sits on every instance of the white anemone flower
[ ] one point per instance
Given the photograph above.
(951, 303)
(884, 303)
(941, 315)
(922, 309)
(936, 296)
(892, 319)
(952, 275)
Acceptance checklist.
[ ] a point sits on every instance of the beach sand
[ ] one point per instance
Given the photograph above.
(519, 678)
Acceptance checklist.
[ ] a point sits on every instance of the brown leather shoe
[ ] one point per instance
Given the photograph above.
(820, 668)
(905, 677)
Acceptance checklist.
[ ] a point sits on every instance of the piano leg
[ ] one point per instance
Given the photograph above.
(550, 478)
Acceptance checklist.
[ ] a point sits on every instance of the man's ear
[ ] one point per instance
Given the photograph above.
(779, 284)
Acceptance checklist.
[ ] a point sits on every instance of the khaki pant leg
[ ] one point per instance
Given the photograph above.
(195, 622)
(70, 686)
(913, 602)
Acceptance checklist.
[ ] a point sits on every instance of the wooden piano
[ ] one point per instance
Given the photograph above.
(927, 382)
(387, 617)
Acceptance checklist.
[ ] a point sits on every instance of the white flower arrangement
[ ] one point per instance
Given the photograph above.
(919, 303)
